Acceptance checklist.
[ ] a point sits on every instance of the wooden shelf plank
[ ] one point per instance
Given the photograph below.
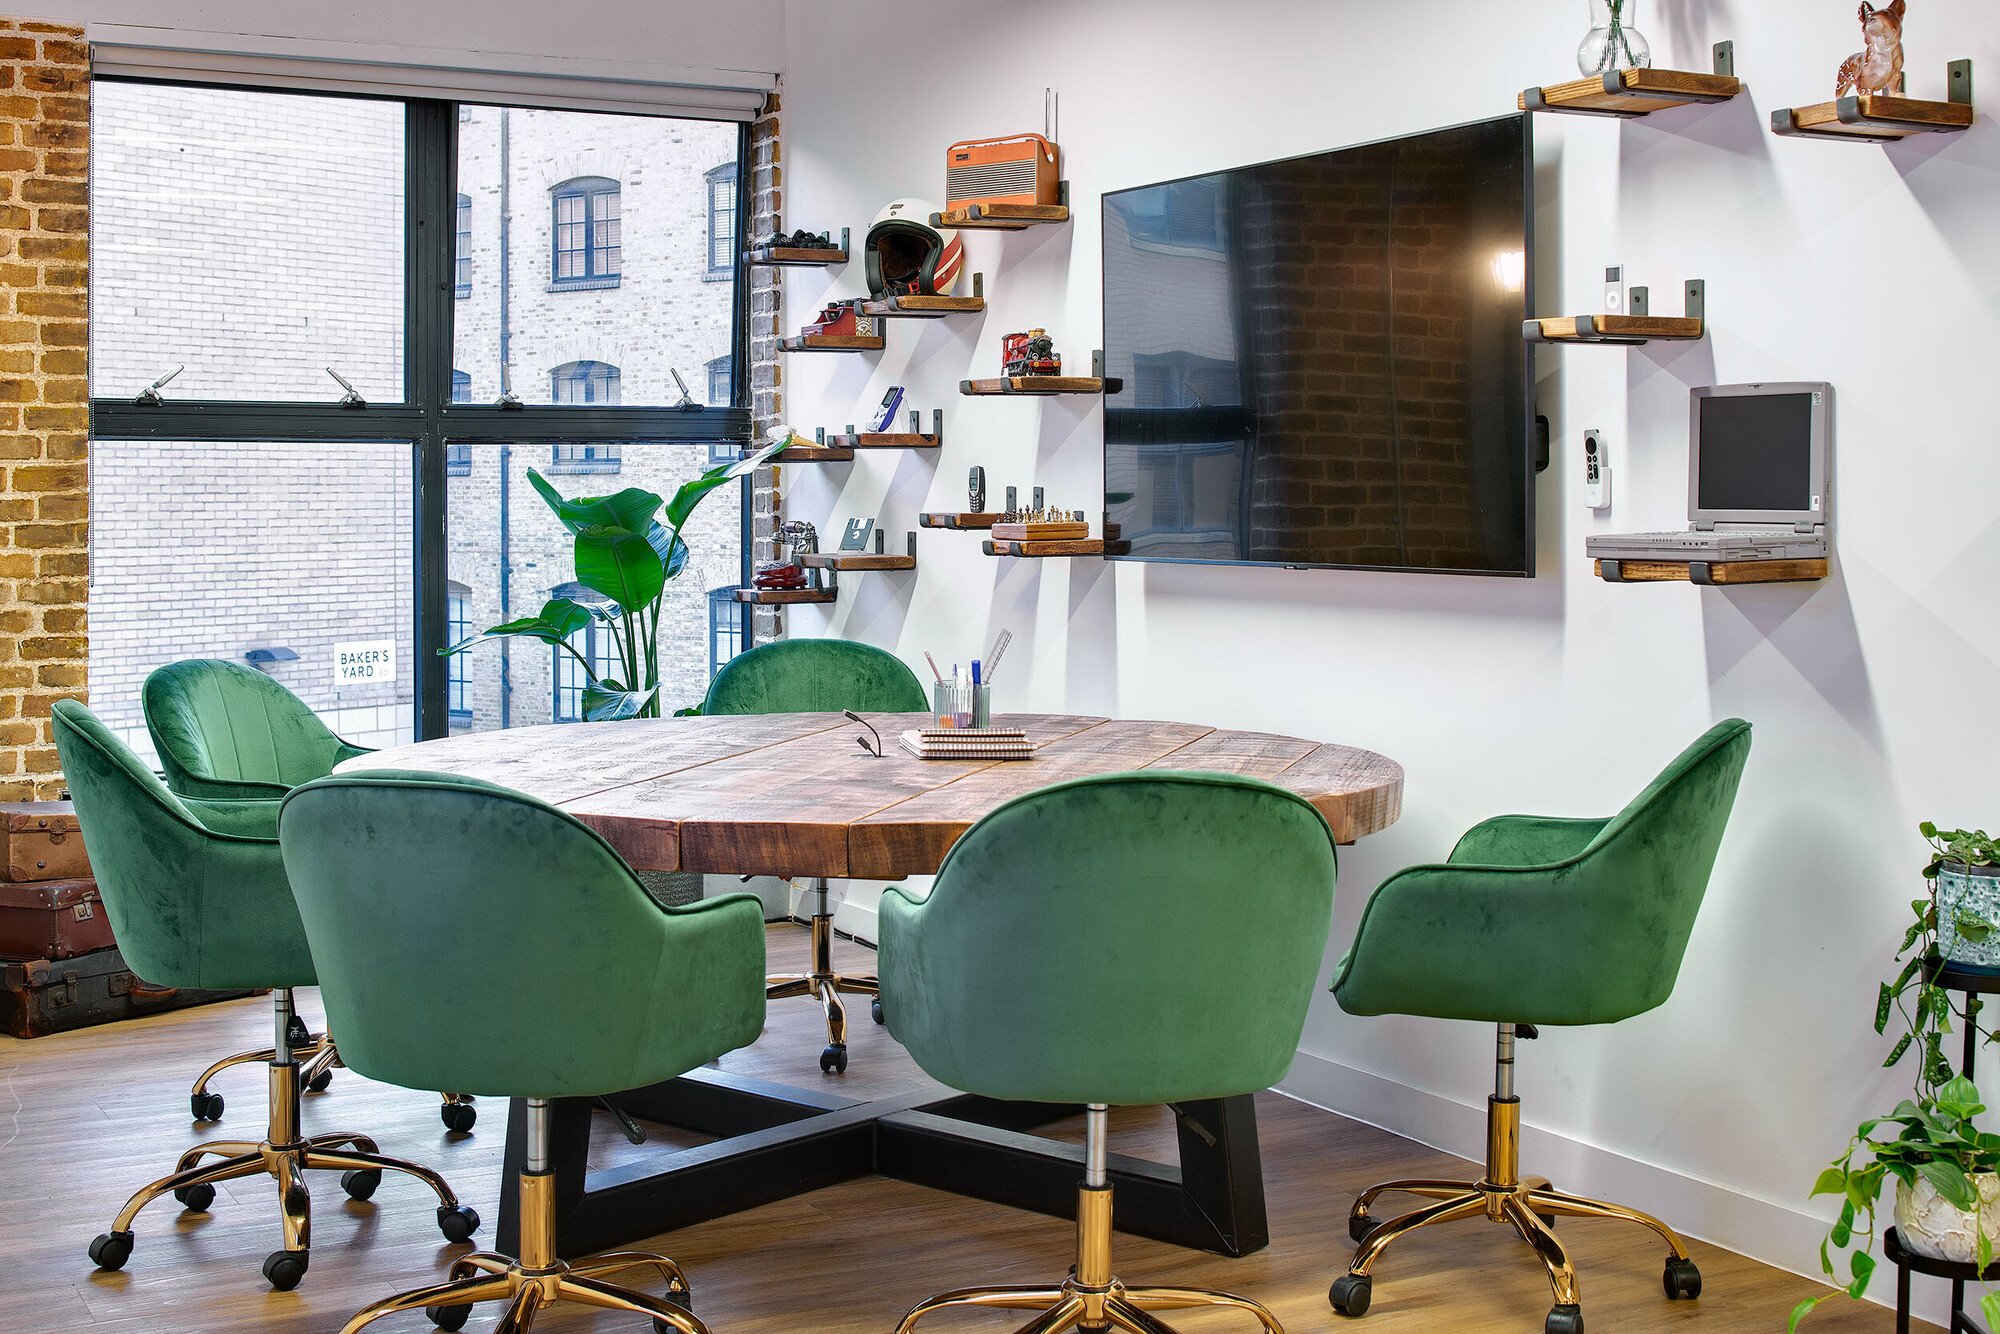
(1041, 384)
(1871, 118)
(1001, 217)
(812, 454)
(856, 560)
(923, 307)
(793, 256)
(832, 343)
(1717, 572)
(1081, 546)
(774, 597)
(887, 440)
(957, 520)
(1631, 92)
(1626, 329)
(1056, 530)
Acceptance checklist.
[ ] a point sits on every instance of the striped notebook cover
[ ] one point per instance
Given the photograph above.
(963, 747)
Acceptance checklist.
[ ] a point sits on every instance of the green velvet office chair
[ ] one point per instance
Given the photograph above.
(1533, 921)
(1132, 938)
(226, 731)
(519, 901)
(197, 895)
(819, 676)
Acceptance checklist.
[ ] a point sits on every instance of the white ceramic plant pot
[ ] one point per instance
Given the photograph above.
(1930, 1225)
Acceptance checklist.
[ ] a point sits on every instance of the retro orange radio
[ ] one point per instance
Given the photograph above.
(1020, 169)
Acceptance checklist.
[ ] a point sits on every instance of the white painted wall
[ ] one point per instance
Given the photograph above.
(1873, 694)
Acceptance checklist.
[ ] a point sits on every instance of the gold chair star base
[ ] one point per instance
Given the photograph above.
(1530, 1205)
(285, 1156)
(1092, 1297)
(824, 985)
(316, 1061)
(538, 1280)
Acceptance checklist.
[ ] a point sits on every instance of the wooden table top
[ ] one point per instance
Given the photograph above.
(792, 794)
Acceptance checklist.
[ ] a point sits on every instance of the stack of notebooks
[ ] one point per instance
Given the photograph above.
(968, 743)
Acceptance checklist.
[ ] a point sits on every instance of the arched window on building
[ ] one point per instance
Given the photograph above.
(464, 266)
(722, 220)
(458, 667)
(584, 383)
(585, 233)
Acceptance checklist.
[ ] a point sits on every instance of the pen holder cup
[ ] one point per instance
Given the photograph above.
(961, 704)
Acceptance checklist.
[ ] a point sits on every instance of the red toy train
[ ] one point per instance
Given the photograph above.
(1030, 353)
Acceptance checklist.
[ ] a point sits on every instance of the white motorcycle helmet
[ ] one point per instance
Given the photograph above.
(909, 257)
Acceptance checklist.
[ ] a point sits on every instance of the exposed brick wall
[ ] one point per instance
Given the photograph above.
(44, 407)
(766, 383)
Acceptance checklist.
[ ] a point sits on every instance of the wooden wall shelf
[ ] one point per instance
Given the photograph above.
(1878, 119)
(1041, 384)
(778, 597)
(1627, 93)
(1003, 217)
(1710, 572)
(910, 439)
(1626, 329)
(929, 307)
(845, 561)
(832, 343)
(797, 256)
(813, 454)
(1080, 546)
(958, 521)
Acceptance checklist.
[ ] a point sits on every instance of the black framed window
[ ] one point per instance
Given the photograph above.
(585, 233)
(722, 242)
(585, 382)
(725, 628)
(719, 383)
(406, 457)
(464, 232)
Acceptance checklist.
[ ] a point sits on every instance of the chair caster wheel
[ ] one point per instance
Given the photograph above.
(458, 1224)
(679, 1297)
(284, 1270)
(205, 1106)
(319, 1082)
(875, 1010)
(1564, 1320)
(1360, 1225)
(297, 1033)
(360, 1183)
(1681, 1280)
(111, 1250)
(449, 1317)
(458, 1116)
(834, 1059)
(1350, 1293)
(196, 1199)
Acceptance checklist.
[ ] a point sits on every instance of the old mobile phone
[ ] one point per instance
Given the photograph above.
(887, 412)
(975, 494)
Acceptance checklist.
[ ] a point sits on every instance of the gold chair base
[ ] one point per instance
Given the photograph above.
(1530, 1205)
(826, 986)
(314, 1060)
(486, 1277)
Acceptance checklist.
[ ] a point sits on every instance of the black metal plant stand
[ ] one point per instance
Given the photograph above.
(1973, 983)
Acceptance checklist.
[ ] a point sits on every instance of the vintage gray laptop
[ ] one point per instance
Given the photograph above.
(1757, 479)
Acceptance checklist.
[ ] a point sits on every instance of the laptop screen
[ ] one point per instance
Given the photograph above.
(1756, 453)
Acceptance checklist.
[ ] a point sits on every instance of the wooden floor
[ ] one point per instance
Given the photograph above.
(86, 1118)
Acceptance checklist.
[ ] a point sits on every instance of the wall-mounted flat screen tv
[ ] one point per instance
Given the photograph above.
(1321, 359)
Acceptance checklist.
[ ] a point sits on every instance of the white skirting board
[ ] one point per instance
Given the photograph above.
(854, 900)
(1777, 1233)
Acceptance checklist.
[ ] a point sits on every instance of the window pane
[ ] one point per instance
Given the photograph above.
(211, 550)
(255, 238)
(570, 287)
(521, 682)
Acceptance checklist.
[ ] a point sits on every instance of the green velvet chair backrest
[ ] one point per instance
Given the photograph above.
(195, 890)
(815, 676)
(471, 938)
(1553, 921)
(225, 730)
(1127, 938)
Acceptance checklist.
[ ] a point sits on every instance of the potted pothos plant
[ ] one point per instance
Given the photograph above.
(628, 547)
(1947, 1197)
(1964, 872)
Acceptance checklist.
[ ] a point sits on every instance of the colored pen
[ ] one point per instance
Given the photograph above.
(935, 673)
(975, 671)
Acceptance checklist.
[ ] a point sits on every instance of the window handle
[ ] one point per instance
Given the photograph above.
(150, 395)
(352, 398)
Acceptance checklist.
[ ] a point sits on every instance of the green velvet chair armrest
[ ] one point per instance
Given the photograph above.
(1525, 840)
(910, 896)
(242, 819)
(349, 751)
(228, 789)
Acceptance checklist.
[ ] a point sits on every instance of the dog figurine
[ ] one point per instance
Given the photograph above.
(1879, 67)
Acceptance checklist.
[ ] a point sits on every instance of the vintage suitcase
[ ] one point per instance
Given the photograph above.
(43, 842)
(52, 919)
(43, 996)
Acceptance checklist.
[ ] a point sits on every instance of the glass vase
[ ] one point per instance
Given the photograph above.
(1613, 42)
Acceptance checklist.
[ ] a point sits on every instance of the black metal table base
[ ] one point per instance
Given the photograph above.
(776, 1142)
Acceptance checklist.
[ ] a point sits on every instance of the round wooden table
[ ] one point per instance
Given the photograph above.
(795, 795)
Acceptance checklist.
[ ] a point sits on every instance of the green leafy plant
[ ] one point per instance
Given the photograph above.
(1930, 1137)
(628, 547)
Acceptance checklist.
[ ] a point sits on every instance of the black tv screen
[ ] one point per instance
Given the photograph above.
(1321, 359)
